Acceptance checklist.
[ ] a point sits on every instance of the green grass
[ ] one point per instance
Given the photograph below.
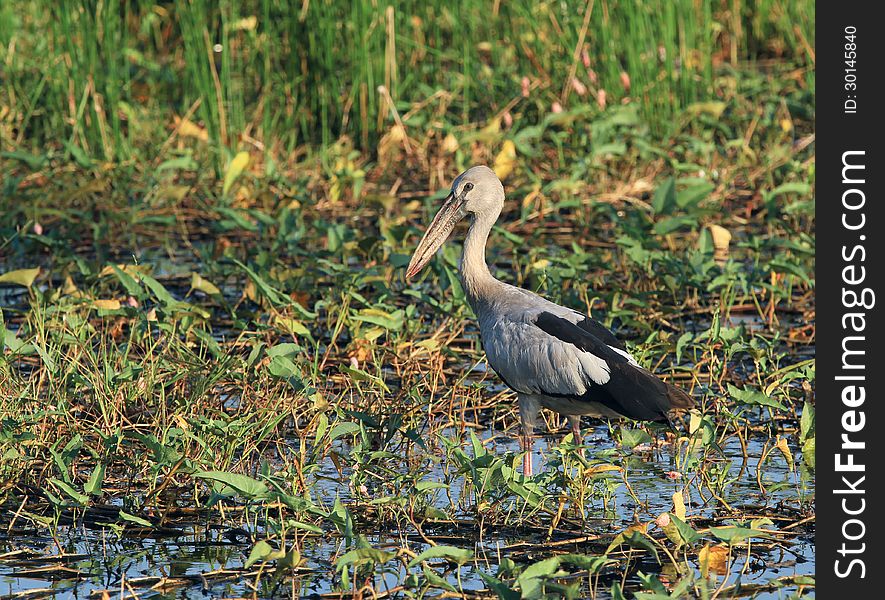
(85, 76)
(223, 353)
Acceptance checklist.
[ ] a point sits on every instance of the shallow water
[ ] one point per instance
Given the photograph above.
(98, 560)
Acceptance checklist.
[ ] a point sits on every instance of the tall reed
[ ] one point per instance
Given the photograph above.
(285, 74)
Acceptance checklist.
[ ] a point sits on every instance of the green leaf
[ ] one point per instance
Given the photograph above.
(438, 582)
(531, 580)
(665, 197)
(630, 438)
(134, 519)
(261, 552)
(455, 555)
(287, 349)
(793, 187)
(734, 535)
(282, 367)
(362, 556)
(96, 478)
(23, 277)
(587, 562)
(163, 455)
(806, 422)
(160, 292)
(185, 163)
(33, 162)
(304, 526)
(423, 486)
(755, 397)
(686, 531)
(132, 287)
(68, 489)
(245, 485)
(392, 321)
(683, 341)
(341, 429)
(693, 194)
(671, 224)
(78, 155)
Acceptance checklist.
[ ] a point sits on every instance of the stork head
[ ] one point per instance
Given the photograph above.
(477, 192)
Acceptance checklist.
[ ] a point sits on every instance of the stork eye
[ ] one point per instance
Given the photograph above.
(467, 188)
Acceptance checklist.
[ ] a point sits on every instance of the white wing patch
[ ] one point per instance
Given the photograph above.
(594, 367)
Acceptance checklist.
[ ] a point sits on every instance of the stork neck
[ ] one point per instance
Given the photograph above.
(475, 275)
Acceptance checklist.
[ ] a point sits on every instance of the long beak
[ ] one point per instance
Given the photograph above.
(436, 234)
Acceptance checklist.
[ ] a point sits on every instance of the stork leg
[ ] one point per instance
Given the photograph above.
(528, 416)
(526, 444)
(574, 422)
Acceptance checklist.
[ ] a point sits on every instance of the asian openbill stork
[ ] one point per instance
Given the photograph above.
(551, 356)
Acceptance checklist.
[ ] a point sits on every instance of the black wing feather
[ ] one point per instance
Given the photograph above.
(630, 391)
(598, 330)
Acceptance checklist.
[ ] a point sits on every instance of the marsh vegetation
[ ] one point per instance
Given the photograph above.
(213, 376)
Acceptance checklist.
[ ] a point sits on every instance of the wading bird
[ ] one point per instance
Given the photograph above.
(551, 356)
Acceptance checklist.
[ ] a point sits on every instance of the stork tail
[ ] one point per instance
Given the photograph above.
(679, 398)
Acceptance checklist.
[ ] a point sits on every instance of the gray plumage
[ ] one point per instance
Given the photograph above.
(552, 356)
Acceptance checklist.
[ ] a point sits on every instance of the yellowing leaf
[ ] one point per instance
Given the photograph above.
(234, 170)
(785, 450)
(678, 505)
(493, 127)
(106, 304)
(69, 287)
(450, 144)
(601, 468)
(715, 109)
(713, 558)
(506, 160)
(721, 240)
(23, 277)
(245, 24)
(203, 285)
(188, 128)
